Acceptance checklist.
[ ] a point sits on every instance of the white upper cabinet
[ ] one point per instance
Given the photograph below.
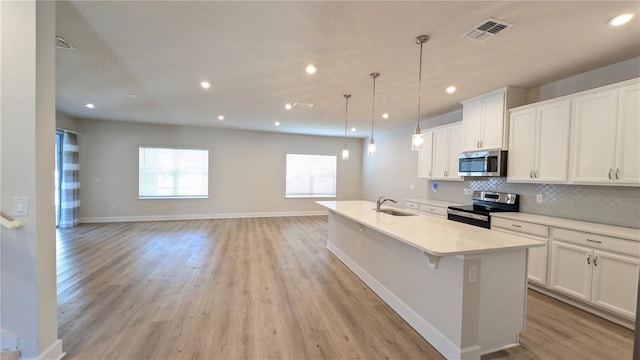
(539, 143)
(485, 119)
(606, 137)
(446, 146)
(425, 155)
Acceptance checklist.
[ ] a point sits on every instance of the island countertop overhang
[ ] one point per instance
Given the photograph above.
(435, 236)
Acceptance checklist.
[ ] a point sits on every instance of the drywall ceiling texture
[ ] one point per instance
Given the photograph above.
(246, 171)
(254, 54)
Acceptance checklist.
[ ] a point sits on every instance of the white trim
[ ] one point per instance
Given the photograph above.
(9, 341)
(615, 318)
(53, 352)
(105, 219)
(422, 326)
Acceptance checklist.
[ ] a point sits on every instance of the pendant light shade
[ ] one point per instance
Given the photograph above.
(372, 144)
(416, 139)
(345, 150)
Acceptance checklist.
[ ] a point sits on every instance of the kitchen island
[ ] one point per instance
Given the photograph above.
(461, 287)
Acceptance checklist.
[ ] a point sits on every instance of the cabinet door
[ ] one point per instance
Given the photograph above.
(552, 151)
(471, 125)
(440, 163)
(537, 265)
(594, 137)
(493, 116)
(615, 282)
(628, 144)
(455, 146)
(425, 155)
(571, 269)
(522, 144)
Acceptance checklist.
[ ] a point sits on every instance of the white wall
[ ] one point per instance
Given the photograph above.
(394, 167)
(28, 259)
(246, 171)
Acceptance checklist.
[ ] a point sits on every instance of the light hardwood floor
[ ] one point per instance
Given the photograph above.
(262, 288)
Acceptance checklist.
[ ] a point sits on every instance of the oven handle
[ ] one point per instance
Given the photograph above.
(468, 215)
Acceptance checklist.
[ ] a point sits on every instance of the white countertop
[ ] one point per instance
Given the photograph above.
(594, 228)
(433, 235)
(433, 202)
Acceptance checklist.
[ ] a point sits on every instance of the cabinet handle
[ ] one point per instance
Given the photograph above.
(478, 144)
(617, 171)
(610, 174)
(481, 144)
(516, 225)
(531, 174)
(429, 173)
(535, 174)
(595, 241)
(595, 261)
(589, 259)
(432, 209)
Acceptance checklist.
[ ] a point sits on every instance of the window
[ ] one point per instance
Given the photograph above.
(311, 176)
(173, 173)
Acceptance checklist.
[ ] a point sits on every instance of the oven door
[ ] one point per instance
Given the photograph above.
(469, 218)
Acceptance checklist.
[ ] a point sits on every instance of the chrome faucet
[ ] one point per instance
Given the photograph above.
(382, 200)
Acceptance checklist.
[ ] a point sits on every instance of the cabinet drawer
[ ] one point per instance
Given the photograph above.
(520, 227)
(411, 205)
(435, 210)
(600, 242)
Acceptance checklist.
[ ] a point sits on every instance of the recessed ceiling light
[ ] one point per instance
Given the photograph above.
(131, 95)
(205, 84)
(620, 19)
(310, 69)
(451, 89)
(220, 117)
(353, 129)
(385, 116)
(277, 123)
(90, 106)
(288, 106)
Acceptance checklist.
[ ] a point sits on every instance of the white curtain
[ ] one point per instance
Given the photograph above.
(70, 182)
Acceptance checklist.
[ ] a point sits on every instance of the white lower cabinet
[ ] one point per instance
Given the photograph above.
(590, 273)
(537, 258)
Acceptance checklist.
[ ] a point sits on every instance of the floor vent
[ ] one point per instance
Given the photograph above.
(63, 44)
(486, 30)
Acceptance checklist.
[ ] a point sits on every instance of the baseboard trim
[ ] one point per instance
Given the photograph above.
(53, 352)
(9, 341)
(109, 219)
(614, 318)
(422, 326)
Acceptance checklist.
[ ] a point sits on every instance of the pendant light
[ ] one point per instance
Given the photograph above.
(416, 139)
(372, 143)
(345, 151)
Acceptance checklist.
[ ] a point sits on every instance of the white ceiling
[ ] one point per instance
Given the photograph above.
(254, 54)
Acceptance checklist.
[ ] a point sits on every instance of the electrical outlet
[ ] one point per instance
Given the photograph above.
(539, 198)
(473, 274)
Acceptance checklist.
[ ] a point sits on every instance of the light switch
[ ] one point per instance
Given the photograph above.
(20, 206)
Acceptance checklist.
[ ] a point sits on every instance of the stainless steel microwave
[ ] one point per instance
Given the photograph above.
(482, 163)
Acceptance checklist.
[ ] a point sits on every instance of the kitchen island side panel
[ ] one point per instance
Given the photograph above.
(460, 317)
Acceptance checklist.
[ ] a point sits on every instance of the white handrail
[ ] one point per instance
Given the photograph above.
(10, 224)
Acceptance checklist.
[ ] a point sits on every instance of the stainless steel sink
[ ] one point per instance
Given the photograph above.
(396, 212)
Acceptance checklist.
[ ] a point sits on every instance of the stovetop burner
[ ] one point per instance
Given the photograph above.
(484, 203)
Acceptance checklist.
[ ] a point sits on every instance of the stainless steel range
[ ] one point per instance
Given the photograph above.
(484, 203)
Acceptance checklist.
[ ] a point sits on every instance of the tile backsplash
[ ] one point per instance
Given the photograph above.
(612, 205)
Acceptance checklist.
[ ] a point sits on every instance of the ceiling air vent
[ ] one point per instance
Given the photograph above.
(486, 30)
(302, 105)
(63, 44)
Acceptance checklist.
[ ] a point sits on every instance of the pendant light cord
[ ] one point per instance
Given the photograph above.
(373, 103)
(419, 85)
(346, 112)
